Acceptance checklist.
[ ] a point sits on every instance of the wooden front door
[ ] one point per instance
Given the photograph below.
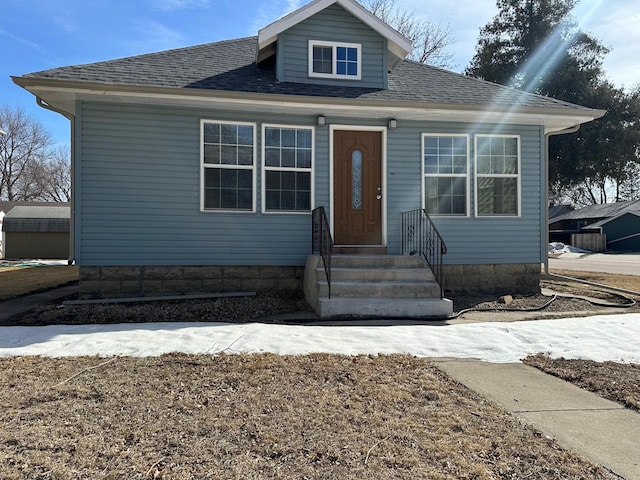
(357, 187)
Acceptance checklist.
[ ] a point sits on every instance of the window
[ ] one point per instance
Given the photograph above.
(497, 175)
(445, 166)
(228, 158)
(288, 162)
(334, 60)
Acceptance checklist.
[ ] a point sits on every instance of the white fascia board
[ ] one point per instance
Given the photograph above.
(65, 98)
(269, 34)
(398, 44)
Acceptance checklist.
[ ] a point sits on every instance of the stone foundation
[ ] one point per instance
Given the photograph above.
(120, 282)
(140, 281)
(501, 279)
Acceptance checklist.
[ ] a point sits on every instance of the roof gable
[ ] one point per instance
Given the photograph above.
(398, 45)
(603, 222)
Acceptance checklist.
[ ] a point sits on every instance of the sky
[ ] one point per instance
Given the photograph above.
(598, 338)
(42, 34)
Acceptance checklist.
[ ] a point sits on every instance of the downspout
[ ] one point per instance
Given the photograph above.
(545, 240)
(72, 222)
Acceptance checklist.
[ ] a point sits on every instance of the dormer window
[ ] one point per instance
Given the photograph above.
(334, 60)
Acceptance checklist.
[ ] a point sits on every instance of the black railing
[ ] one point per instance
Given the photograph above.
(321, 241)
(421, 237)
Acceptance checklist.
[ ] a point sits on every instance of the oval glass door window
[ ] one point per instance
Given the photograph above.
(356, 180)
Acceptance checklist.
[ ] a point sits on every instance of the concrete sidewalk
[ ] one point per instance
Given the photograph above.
(603, 431)
(16, 306)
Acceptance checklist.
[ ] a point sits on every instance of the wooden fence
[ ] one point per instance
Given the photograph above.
(594, 242)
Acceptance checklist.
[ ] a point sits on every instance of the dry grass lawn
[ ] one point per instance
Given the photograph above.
(15, 282)
(261, 416)
(627, 282)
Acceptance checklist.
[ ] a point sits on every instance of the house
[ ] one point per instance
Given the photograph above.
(36, 230)
(616, 224)
(198, 168)
(557, 210)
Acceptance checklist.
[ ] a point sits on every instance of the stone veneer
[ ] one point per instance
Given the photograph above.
(141, 281)
(501, 279)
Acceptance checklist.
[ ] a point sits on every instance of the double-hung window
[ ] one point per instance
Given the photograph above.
(497, 175)
(288, 165)
(445, 166)
(335, 60)
(228, 165)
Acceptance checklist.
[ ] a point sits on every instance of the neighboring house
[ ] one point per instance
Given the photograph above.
(198, 168)
(36, 231)
(557, 210)
(618, 223)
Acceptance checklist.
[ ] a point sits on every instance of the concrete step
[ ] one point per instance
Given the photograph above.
(375, 285)
(385, 307)
(377, 274)
(380, 289)
(377, 261)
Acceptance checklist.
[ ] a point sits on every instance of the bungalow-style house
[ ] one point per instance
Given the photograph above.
(198, 169)
(617, 225)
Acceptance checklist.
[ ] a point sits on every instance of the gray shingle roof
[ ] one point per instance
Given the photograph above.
(230, 66)
(40, 211)
(602, 211)
(37, 219)
(6, 205)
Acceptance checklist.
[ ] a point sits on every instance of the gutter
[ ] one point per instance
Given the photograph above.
(76, 87)
(72, 223)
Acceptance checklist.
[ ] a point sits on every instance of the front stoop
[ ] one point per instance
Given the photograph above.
(375, 285)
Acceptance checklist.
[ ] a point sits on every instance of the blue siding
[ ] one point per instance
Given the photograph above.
(139, 193)
(469, 240)
(333, 24)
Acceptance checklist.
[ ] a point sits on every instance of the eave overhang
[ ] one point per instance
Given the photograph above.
(63, 95)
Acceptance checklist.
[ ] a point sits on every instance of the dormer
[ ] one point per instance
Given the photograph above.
(332, 42)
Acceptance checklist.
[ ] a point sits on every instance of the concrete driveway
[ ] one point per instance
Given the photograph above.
(622, 263)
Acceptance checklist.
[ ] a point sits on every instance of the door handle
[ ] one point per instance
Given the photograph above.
(378, 197)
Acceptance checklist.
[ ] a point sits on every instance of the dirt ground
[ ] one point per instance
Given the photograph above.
(261, 416)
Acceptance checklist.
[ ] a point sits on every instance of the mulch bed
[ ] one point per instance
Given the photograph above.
(264, 305)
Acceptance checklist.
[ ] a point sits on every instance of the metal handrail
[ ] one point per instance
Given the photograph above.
(420, 236)
(321, 241)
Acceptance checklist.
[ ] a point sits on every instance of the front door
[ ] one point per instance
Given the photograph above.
(357, 187)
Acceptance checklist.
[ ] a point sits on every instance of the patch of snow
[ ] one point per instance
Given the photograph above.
(598, 338)
(559, 247)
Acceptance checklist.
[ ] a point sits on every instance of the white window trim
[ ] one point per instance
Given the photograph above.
(288, 169)
(252, 167)
(334, 45)
(447, 175)
(518, 176)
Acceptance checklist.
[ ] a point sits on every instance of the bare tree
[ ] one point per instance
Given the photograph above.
(23, 153)
(56, 181)
(430, 40)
